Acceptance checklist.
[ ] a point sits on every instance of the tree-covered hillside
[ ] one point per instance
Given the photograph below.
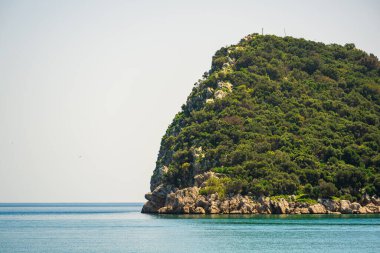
(279, 116)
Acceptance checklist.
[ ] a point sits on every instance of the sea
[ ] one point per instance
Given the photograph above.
(121, 227)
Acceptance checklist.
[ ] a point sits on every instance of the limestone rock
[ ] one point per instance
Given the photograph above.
(280, 206)
(364, 210)
(150, 207)
(225, 207)
(317, 209)
(199, 210)
(355, 206)
(220, 94)
(148, 196)
(247, 206)
(202, 202)
(301, 210)
(169, 200)
(186, 209)
(264, 207)
(345, 206)
(373, 208)
(199, 180)
(163, 210)
(181, 200)
(156, 199)
(330, 205)
(225, 85)
(156, 180)
(209, 101)
(234, 203)
(213, 209)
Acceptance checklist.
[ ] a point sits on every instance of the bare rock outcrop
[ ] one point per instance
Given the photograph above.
(166, 199)
(181, 201)
(330, 205)
(199, 180)
(317, 209)
(345, 207)
(156, 199)
(280, 206)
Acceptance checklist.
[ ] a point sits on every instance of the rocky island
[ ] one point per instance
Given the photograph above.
(277, 126)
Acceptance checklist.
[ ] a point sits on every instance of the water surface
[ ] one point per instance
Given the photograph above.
(122, 228)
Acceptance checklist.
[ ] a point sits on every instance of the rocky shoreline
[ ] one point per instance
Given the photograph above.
(168, 200)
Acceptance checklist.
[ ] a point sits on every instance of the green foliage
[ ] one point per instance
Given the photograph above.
(302, 117)
(213, 185)
(306, 200)
(327, 190)
(223, 186)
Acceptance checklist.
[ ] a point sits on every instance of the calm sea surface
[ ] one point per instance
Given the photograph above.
(122, 228)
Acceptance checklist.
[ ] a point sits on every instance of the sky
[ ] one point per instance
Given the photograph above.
(88, 88)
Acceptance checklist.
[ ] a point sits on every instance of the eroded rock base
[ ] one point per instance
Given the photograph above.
(166, 200)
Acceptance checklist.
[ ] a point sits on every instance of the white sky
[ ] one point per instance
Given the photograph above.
(88, 88)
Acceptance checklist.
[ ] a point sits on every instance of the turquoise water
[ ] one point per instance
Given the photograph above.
(122, 228)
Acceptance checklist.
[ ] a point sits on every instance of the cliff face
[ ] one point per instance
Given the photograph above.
(168, 200)
(275, 116)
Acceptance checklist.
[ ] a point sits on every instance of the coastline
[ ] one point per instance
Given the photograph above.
(166, 200)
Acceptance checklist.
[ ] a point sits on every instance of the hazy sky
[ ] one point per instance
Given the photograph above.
(88, 88)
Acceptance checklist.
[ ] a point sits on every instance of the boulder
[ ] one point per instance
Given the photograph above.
(280, 206)
(344, 206)
(181, 200)
(214, 197)
(199, 210)
(163, 210)
(364, 210)
(234, 203)
(159, 194)
(301, 210)
(156, 199)
(186, 209)
(225, 207)
(202, 202)
(247, 206)
(373, 208)
(355, 206)
(330, 205)
(317, 209)
(264, 205)
(150, 207)
(213, 209)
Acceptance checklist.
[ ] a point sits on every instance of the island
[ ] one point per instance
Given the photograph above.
(278, 125)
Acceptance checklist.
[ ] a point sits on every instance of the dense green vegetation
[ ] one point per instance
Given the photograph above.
(281, 116)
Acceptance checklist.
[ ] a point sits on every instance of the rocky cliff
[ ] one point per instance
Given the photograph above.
(168, 200)
(277, 125)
